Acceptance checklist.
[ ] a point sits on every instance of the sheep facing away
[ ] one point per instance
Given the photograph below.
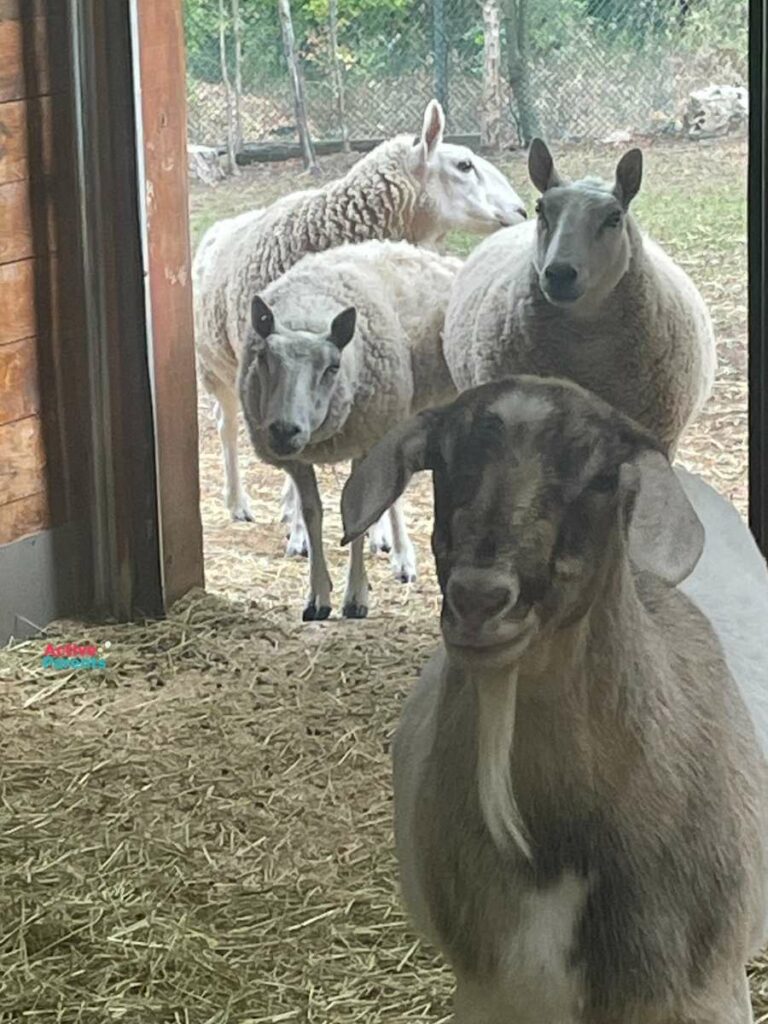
(405, 189)
(582, 293)
(581, 784)
(342, 347)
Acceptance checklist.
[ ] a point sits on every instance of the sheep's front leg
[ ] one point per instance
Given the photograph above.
(318, 604)
(226, 410)
(403, 557)
(290, 512)
(380, 535)
(356, 596)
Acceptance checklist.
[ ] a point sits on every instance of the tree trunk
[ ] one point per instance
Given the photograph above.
(237, 30)
(518, 67)
(338, 75)
(440, 43)
(231, 143)
(299, 102)
(491, 117)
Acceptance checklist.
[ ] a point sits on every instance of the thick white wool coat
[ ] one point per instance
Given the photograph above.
(394, 365)
(649, 349)
(379, 198)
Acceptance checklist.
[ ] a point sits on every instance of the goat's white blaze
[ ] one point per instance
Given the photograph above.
(536, 981)
(497, 701)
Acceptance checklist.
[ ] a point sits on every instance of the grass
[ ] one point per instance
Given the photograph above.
(201, 833)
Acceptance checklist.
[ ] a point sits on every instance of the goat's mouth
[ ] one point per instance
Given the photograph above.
(500, 645)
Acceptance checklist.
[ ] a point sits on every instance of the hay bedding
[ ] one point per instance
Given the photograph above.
(201, 833)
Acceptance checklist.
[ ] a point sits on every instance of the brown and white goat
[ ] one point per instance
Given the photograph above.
(581, 797)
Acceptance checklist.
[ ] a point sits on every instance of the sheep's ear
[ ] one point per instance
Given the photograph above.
(262, 318)
(433, 127)
(629, 176)
(343, 327)
(664, 534)
(541, 166)
(383, 475)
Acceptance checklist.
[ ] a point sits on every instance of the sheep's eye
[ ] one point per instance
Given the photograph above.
(540, 212)
(613, 220)
(465, 166)
(331, 371)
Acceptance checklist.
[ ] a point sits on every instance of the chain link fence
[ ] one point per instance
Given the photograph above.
(569, 69)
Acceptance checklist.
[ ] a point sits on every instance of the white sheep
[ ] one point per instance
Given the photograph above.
(342, 347)
(411, 189)
(582, 293)
(581, 773)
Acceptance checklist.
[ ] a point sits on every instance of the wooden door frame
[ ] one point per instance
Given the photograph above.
(132, 165)
(758, 272)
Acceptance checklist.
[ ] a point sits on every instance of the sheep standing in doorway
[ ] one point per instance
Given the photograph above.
(405, 189)
(341, 348)
(582, 293)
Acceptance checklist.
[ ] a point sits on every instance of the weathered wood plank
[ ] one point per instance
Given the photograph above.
(17, 301)
(28, 66)
(19, 388)
(17, 120)
(24, 516)
(26, 220)
(22, 459)
(161, 46)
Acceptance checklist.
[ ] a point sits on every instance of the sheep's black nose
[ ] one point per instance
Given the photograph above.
(282, 435)
(561, 274)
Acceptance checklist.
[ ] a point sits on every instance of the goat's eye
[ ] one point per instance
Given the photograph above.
(613, 220)
(465, 166)
(540, 211)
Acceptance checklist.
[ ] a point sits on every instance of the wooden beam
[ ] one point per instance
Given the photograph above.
(28, 66)
(23, 517)
(23, 232)
(274, 152)
(163, 92)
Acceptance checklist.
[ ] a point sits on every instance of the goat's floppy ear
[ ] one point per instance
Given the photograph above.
(629, 176)
(262, 318)
(383, 475)
(343, 327)
(664, 534)
(541, 166)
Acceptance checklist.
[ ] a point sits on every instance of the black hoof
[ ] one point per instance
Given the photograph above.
(314, 614)
(406, 577)
(242, 517)
(303, 553)
(355, 611)
(385, 549)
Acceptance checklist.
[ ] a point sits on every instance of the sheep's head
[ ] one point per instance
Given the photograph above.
(583, 242)
(288, 377)
(459, 190)
(541, 492)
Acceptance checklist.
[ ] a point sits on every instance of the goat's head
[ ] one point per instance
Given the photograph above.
(460, 190)
(541, 491)
(288, 377)
(583, 243)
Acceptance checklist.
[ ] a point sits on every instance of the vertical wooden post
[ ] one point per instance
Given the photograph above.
(164, 149)
(518, 71)
(237, 32)
(490, 128)
(299, 101)
(338, 75)
(440, 45)
(231, 129)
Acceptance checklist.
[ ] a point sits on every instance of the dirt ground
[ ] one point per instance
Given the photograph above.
(201, 832)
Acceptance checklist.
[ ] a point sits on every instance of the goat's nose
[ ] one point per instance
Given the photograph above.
(476, 596)
(561, 273)
(282, 433)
